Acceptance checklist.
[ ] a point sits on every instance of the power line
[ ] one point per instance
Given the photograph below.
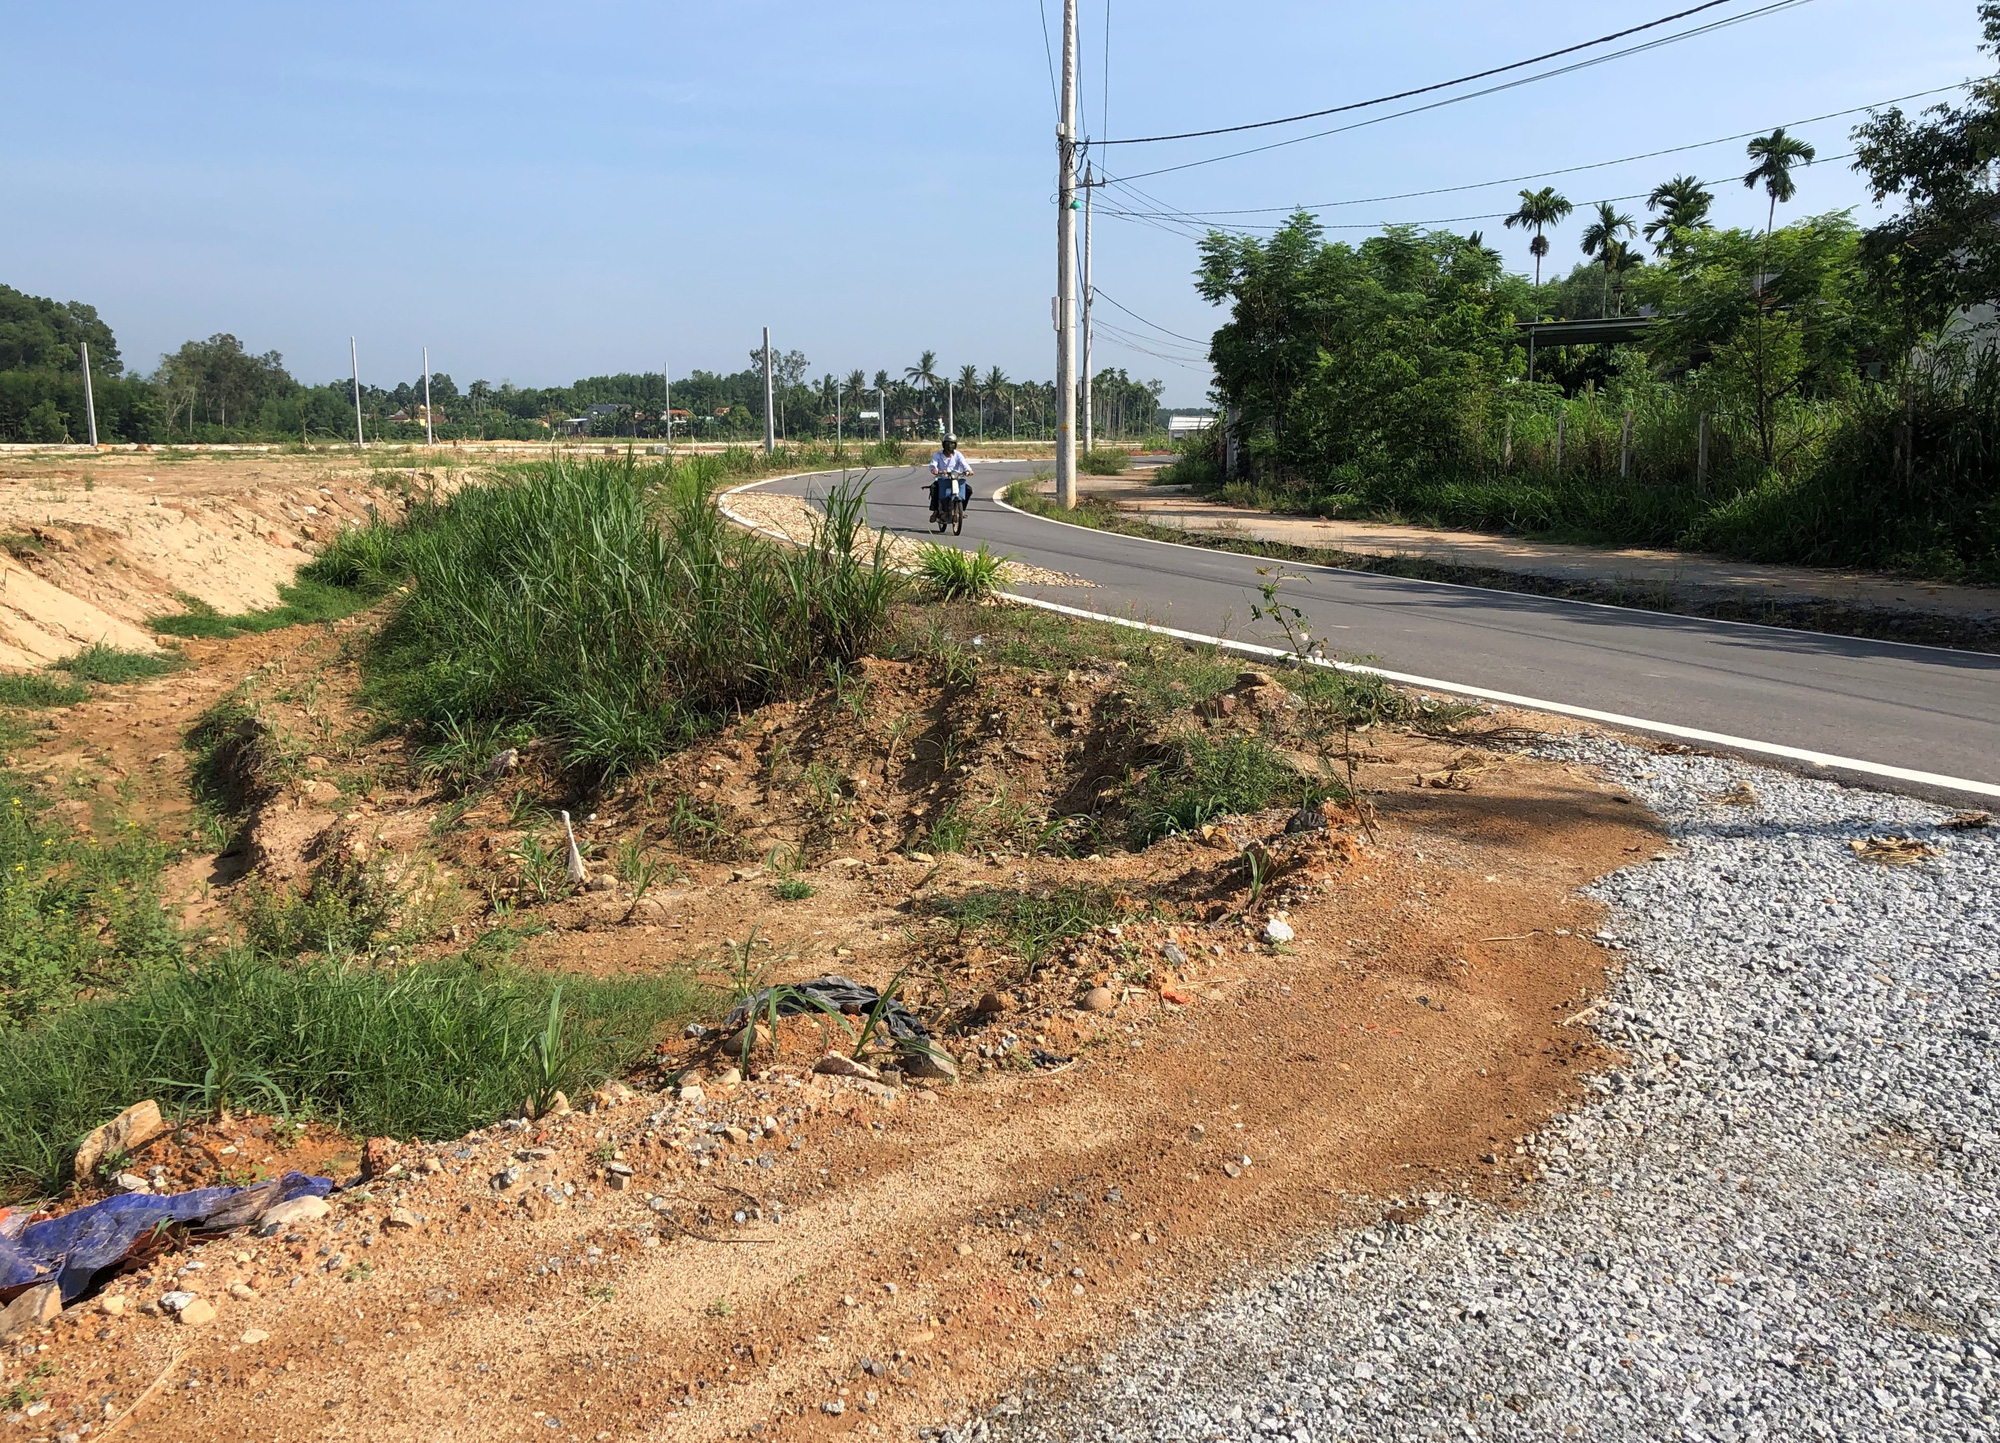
(1144, 322)
(1048, 53)
(1567, 170)
(1639, 49)
(1422, 89)
(1104, 97)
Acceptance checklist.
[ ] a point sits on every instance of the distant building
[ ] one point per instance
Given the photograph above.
(1188, 425)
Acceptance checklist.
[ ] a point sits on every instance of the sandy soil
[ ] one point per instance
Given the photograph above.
(853, 1258)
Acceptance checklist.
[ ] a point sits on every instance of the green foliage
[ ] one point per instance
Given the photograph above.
(430, 1050)
(342, 911)
(610, 606)
(1032, 924)
(1104, 461)
(954, 574)
(792, 889)
(306, 600)
(108, 666)
(1203, 778)
(77, 913)
(26, 689)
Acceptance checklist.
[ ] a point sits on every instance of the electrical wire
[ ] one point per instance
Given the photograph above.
(1567, 170)
(1143, 321)
(1049, 54)
(1629, 51)
(1422, 89)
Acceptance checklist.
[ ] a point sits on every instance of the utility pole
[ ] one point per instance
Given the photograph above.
(1087, 433)
(430, 431)
(881, 413)
(950, 423)
(667, 403)
(355, 357)
(1065, 307)
(770, 420)
(89, 396)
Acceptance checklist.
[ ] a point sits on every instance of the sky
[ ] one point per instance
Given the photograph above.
(541, 193)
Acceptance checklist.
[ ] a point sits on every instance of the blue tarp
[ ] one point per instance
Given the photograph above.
(74, 1248)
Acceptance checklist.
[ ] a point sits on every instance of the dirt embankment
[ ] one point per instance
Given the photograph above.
(798, 1256)
(92, 546)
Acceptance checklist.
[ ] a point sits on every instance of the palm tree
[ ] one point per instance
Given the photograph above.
(968, 385)
(1605, 239)
(1775, 155)
(1539, 210)
(1683, 204)
(924, 374)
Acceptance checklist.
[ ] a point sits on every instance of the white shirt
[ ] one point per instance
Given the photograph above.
(953, 464)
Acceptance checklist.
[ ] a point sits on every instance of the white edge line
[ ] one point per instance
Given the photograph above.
(1616, 719)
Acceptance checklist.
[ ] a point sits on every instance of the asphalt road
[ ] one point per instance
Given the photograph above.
(1909, 717)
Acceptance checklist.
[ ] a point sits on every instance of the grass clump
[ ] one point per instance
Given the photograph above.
(109, 666)
(27, 689)
(1104, 461)
(1032, 925)
(77, 914)
(792, 889)
(310, 598)
(609, 606)
(426, 1051)
(1206, 777)
(953, 574)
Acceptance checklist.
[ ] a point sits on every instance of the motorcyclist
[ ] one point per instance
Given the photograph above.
(951, 476)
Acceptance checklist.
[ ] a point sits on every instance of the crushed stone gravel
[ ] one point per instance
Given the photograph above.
(1776, 1221)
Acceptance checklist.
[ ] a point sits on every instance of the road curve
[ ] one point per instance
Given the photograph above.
(1913, 718)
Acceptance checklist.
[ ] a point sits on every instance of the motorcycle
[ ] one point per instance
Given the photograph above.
(948, 512)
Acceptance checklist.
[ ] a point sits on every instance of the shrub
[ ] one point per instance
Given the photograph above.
(954, 574)
(1204, 778)
(426, 1051)
(1104, 461)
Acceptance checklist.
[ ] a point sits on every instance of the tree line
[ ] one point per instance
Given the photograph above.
(216, 390)
(1817, 391)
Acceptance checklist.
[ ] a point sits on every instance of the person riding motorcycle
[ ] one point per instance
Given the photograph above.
(951, 476)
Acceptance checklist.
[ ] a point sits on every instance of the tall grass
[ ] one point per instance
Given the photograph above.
(608, 604)
(431, 1050)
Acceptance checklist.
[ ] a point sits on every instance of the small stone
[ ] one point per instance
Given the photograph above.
(1232, 1169)
(292, 1214)
(728, 1077)
(833, 1407)
(196, 1313)
(925, 857)
(1277, 930)
(736, 1134)
(690, 1093)
(131, 1130)
(242, 1292)
(112, 1305)
(173, 1302)
(131, 1182)
(558, 1105)
(1249, 680)
(253, 1336)
(433, 1166)
(992, 1004)
(1176, 956)
(503, 762)
(36, 1308)
(836, 1065)
(1305, 819)
(403, 1218)
(617, 1181)
(378, 1155)
(964, 1250)
(936, 1065)
(1098, 999)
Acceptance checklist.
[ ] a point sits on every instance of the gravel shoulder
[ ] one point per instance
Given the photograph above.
(1775, 1222)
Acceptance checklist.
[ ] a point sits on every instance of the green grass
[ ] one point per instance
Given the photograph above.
(108, 666)
(1104, 461)
(308, 599)
(1205, 777)
(26, 689)
(1032, 925)
(426, 1051)
(78, 914)
(951, 573)
(607, 605)
(792, 889)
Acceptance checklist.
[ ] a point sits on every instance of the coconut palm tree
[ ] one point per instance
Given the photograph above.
(1775, 155)
(1605, 238)
(1539, 210)
(1683, 204)
(923, 376)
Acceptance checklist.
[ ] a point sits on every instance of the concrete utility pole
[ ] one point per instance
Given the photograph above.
(1065, 306)
(770, 417)
(430, 431)
(89, 396)
(667, 402)
(950, 425)
(1087, 434)
(881, 413)
(355, 357)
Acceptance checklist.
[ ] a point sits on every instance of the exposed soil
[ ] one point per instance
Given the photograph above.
(855, 1257)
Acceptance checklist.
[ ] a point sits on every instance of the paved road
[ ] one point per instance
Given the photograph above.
(1917, 718)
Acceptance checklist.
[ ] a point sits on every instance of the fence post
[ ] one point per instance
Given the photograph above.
(1701, 457)
(1625, 448)
(1562, 431)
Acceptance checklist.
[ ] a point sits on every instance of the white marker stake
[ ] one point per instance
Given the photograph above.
(89, 398)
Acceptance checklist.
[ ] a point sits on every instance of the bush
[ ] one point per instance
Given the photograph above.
(609, 606)
(1104, 461)
(424, 1051)
(953, 574)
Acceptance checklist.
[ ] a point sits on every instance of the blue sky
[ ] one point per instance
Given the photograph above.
(539, 193)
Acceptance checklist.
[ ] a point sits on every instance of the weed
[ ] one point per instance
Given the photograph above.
(343, 910)
(544, 870)
(698, 826)
(109, 666)
(462, 751)
(1203, 778)
(300, 602)
(1291, 620)
(431, 1050)
(953, 574)
(1104, 461)
(25, 689)
(1032, 924)
(793, 889)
